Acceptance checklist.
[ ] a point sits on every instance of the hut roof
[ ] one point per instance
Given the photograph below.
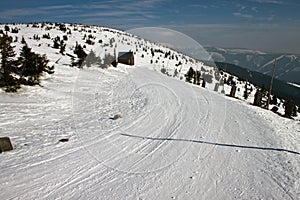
(125, 55)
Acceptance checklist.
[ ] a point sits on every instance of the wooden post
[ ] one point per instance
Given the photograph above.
(271, 84)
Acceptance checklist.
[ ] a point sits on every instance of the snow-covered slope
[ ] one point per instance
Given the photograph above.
(173, 140)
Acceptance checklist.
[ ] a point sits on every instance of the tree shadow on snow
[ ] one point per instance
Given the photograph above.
(213, 143)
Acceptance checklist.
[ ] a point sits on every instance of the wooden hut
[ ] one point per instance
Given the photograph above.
(126, 58)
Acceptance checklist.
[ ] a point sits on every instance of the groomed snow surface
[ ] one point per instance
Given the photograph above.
(170, 140)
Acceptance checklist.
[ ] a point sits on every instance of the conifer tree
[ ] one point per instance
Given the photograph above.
(289, 108)
(189, 75)
(258, 97)
(32, 66)
(62, 47)
(175, 73)
(246, 92)
(91, 58)
(80, 54)
(197, 77)
(56, 42)
(6, 28)
(8, 66)
(23, 41)
(274, 100)
(203, 83)
(232, 91)
(108, 60)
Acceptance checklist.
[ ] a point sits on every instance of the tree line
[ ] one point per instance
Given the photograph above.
(290, 107)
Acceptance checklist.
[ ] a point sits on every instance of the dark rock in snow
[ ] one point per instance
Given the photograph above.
(5, 144)
(64, 140)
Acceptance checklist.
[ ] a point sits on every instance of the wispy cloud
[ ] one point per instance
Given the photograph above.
(111, 8)
(20, 12)
(241, 7)
(271, 18)
(268, 1)
(198, 6)
(243, 15)
(34, 11)
(254, 9)
(245, 11)
(57, 7)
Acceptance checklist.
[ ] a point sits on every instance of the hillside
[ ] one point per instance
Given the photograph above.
(133, 132)
(103, 41)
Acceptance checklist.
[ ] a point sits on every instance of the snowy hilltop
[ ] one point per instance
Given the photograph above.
(165, 127)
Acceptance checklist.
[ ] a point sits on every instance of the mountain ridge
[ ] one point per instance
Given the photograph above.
(287, 67)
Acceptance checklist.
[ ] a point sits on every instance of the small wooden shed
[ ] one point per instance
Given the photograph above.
(126, 58)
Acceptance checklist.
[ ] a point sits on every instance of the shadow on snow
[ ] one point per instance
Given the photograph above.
(213, 143)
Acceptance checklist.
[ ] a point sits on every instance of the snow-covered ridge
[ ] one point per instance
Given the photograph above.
(104, 41)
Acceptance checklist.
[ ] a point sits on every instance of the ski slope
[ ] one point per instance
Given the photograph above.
(174, 140)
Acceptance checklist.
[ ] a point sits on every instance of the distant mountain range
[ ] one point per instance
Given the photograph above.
(287, 67)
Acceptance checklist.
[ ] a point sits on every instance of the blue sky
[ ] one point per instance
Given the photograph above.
(270, 25)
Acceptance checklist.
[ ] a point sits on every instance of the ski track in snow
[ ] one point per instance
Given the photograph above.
(173, 141)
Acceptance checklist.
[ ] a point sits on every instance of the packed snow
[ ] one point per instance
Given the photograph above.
(135, 133)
